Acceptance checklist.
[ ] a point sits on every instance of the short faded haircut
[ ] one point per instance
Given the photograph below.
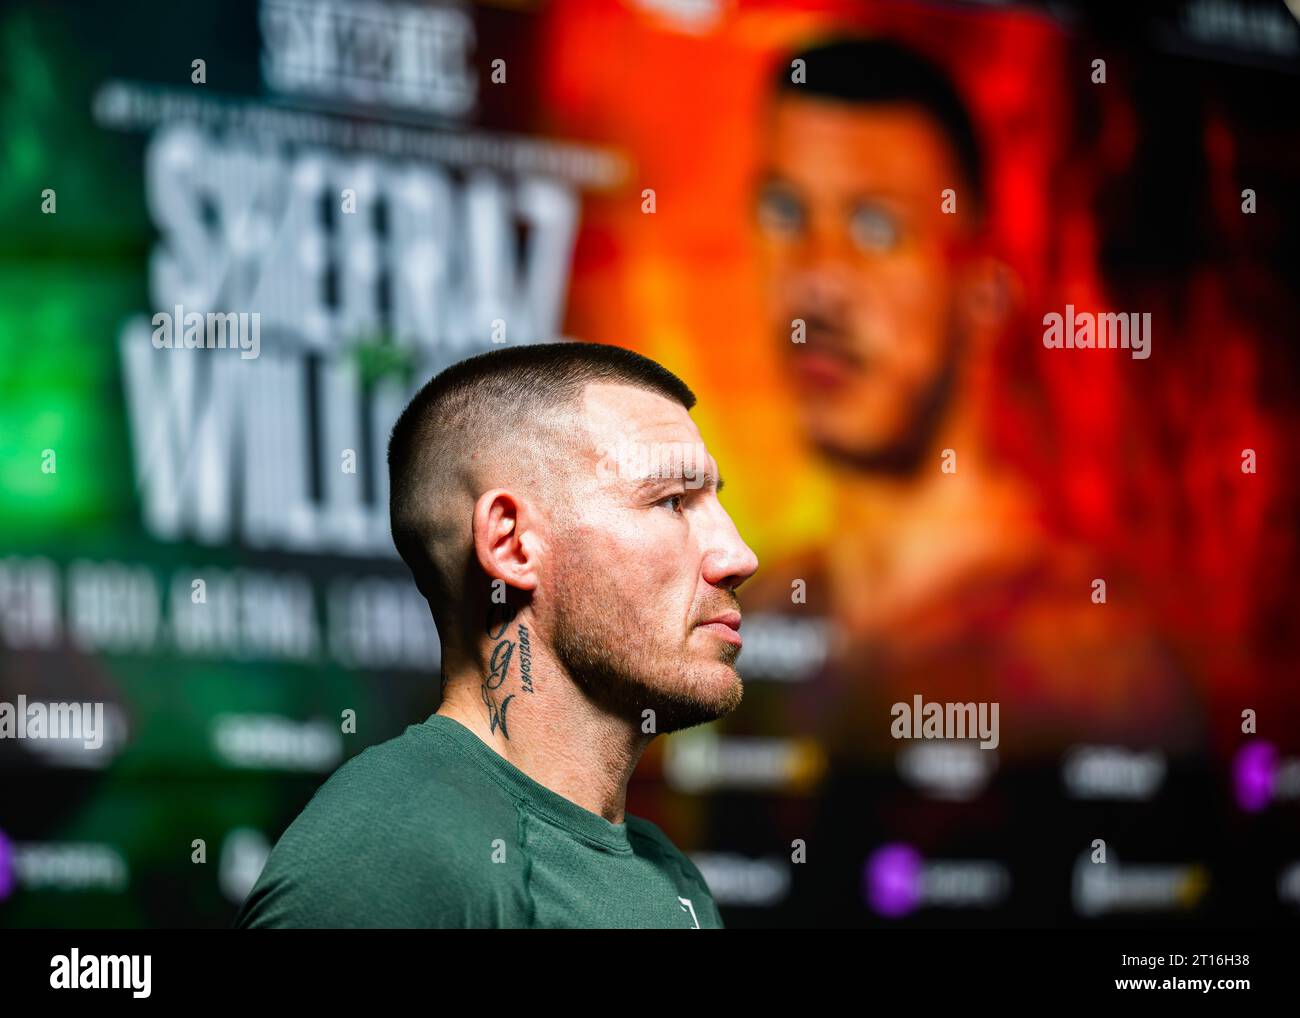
(508, 407)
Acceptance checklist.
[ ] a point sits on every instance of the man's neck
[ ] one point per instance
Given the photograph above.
(901, 541)
(553, 734)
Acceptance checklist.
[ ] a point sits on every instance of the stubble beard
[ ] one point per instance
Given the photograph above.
(615, 660)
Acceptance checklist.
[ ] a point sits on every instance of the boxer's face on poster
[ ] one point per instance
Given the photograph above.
(855, 243)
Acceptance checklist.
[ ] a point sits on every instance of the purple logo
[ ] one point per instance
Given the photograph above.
(1254, 772)
(891, 879)
(6, 867)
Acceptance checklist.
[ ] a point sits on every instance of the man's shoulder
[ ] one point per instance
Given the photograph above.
(650, 839)
(412, 779)
(404, 824)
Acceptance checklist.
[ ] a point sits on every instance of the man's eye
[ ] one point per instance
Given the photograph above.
(874, 229)
(779, 211)
(669, 502)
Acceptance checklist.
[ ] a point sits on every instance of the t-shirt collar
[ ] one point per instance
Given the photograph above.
(536, 797)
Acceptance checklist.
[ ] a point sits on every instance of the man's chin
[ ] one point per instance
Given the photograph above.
(867, 454)
(851, 436)
(716, 695)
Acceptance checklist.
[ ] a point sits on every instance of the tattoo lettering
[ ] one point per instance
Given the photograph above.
(525, 659)
(498, 670)
(497, 713)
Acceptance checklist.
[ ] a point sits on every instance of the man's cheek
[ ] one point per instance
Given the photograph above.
(632, 552)
(663, 581)
(881, 401)
(782, 300)
(922, 295)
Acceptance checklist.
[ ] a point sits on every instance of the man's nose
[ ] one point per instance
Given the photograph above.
(824, 281)
(731, 561)
(825, 246)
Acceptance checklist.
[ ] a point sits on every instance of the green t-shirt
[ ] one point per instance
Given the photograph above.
(434, 828)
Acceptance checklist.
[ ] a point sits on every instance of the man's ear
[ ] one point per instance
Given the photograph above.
(989, 292)
(503, 542)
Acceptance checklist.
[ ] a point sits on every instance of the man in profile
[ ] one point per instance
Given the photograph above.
(559, 511)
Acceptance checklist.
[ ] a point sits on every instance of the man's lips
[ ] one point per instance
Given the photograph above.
(827, 361)
(820, 370)
(725, 625)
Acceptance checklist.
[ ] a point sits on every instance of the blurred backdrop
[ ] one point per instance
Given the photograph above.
(858, 231)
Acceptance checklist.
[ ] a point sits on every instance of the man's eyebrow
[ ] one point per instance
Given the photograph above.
(709, 476)
(649, 483)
